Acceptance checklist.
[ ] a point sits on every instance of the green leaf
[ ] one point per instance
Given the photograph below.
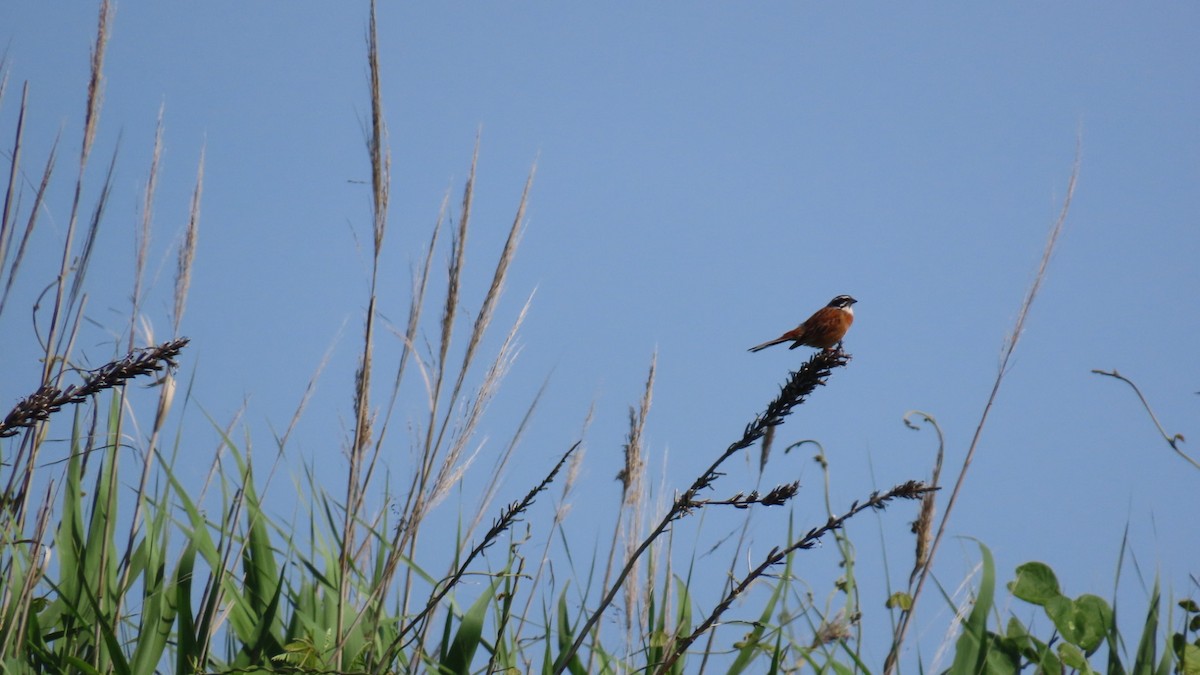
(566, 637)
(1072, 657)
(82, 666)
(1189, 659)
(155, 629)
(1082, 622)
(1187, 654)
(1146, 652)
(970, 651)
(750, 646)
(899, 600)
(1032, 649)
(1035, 583)
(189, 646)
(1001, 658)
(1048, 661)
(467, 638)
(683, 616)
(840, 668)
(1093, 616)
(1015, 629)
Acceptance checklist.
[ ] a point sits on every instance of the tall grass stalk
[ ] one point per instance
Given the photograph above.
(444, 450)
(356, 484)
(632, 477)
(64, 303)
(1010, 345)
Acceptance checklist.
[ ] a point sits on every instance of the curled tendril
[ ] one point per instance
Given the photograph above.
(1172, 440)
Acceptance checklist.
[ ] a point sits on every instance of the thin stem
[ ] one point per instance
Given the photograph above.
(1010, 346)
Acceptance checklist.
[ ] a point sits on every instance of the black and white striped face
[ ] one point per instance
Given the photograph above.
(842, 302)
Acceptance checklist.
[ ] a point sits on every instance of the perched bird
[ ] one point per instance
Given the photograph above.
(822, 330)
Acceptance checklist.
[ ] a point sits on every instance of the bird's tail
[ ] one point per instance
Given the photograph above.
(769, 343)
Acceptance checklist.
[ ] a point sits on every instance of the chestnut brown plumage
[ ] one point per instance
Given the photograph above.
(822, 330)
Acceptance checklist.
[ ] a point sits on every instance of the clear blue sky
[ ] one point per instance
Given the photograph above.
(707, 176)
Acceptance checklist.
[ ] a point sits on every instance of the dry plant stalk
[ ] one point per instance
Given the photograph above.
(1010, 345)
(187, 250)
(8, 212)
(922, 527)
(8, 217)
(445, 448)
(142, 234)
(632, 477)
(68, 270)
(356, 484)
(57, 337)
(876, 501)
(794, 392)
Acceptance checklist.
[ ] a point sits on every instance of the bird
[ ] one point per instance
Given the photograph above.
(823, 330)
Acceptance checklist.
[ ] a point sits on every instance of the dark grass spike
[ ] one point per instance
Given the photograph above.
(801, 383)
(507, 519)
(876, 501)
(48, 399)
(778, 495)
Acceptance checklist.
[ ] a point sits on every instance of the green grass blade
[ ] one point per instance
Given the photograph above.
(971, 649)
(566, 638)
(470, 630)
(751, 643)
(188, 650)
(1145, 661)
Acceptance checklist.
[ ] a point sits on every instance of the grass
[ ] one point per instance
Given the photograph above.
(152, 573)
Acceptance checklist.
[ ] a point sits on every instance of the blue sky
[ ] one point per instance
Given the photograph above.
(706, 177)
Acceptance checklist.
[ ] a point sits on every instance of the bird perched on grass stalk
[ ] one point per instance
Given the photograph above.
(822, 330)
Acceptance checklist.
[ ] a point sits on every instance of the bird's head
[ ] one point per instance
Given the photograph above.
(842, 302)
